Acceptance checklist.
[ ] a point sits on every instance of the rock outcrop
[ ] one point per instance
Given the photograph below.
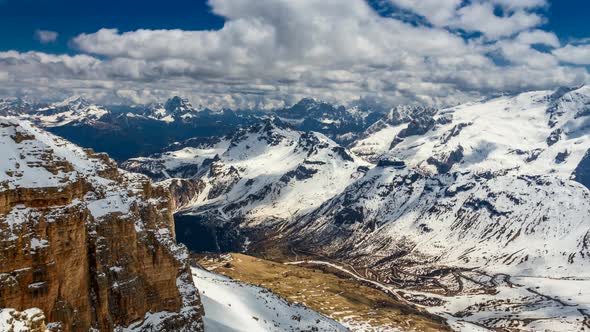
(31, 320)
(89, 245)
(582, 172)
(183, 190)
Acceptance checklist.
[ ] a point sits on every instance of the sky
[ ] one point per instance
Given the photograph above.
(270, 53)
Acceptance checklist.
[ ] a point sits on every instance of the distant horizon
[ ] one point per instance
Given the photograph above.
(350, 104)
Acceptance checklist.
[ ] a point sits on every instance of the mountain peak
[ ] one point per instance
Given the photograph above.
(177, 104)
(309, 102)
(75, 101)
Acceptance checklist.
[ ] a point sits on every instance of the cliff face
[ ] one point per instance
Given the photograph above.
(89, 245)
(183, 190)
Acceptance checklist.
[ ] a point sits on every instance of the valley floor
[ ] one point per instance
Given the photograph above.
(485, 302)
(356, 306)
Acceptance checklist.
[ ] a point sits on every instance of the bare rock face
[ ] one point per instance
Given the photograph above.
(183, 190)
(87, 244)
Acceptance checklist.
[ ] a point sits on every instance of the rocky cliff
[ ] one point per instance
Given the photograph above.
(89, 245)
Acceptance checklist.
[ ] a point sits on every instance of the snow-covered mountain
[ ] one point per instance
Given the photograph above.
(542, 132)
(339, 123)
(402, 121)
(15, 106)
(500, 184)
(537, 132)
(264, 172)
(72, 111)
(175, 109)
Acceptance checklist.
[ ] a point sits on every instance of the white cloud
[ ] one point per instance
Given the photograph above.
(576, 54)
(46, 36)
(481, 17)
(478, 15)
(272, 52)
(538, 37)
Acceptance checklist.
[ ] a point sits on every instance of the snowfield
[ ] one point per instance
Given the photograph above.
(541, 132)
(530, 304)
(232, 306)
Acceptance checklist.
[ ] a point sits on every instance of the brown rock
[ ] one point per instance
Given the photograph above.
(95, 251)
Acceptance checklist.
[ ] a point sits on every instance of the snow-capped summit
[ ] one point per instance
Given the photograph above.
(311, 108)
(174, 109)
(71, 111)
(73, 102)
(15, 106)
(542, 132)
(337, 122)
(178, 105)
(264, 172)
(537, 133)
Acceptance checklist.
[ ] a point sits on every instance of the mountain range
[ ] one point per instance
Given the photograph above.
(139, 130)
(415, 196)
(498, 186)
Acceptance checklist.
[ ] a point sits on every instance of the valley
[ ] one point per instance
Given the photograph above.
(345, 300)
(479, 303)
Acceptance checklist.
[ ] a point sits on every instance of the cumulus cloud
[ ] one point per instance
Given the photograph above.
(538, 37)
(46, 36)
(576, 54)
(273, 52)
(478, 16)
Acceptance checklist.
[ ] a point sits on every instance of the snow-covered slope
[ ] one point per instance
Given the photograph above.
(15, 106)
(487, 184)
(33, 158)
(501, 221)
(543, 132)
(232, 306)
(182, 160)
(399, 121)
(264, 172)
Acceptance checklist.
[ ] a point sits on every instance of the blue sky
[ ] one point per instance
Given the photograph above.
(19, 19)
(262, 53)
